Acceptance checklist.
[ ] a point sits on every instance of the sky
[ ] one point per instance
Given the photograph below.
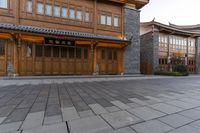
(180, 12)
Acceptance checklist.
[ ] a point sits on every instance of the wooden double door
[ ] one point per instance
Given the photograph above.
(108, 60)
(54, 60)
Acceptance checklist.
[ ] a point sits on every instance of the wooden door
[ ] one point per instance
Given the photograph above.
(71, 60)
(47, 60)
(79, 64)
(64, 68)
(3, 53)
(26, 59)
(38, 60)
(102, 60)
(86, 65)
(56, 60)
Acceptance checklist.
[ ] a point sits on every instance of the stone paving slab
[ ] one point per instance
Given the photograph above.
(10, 127)
(2, 119)
(86, 113)
(120, 105)
(52, 119)
(56, 128)
(98, 109)
(186, 129)
(120, 119)
(146, 113)
(93, 124)
(193, 114)
(112, 109)
(138, 101)
(124, 130)
(182, 104)
(176, 120)
(166, 108)
(69, 114)
(33, 120)
(153, 126)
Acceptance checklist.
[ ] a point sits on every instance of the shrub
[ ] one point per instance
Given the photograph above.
(171, 73)
(180, 68)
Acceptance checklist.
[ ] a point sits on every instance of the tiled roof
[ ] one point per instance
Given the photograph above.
(48, 31)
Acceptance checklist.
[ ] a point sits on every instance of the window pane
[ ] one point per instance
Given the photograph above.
(72, 13)
(48, 10)
(116, 21)
(87, 16)
(38, 50)
(2, 47)
(64, 52)
(3, 3)
(71, 52)
(79, 15)
(57, 11)
(47, 51)
(55, 51)
(29, 50)
(29, 6)
(109, 21)
(40, 8)
(103, 19)
(64, 12)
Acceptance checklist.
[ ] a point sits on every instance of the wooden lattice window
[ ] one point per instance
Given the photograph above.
(55, 51)
(47, 51)
(71, 52)
(78, 53)
(85, 53)
(2, 47)
(64, 52)
(38, 50)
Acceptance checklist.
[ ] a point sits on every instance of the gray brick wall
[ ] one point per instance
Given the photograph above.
(155, 50)
(131, 30)
(198, 55)
(146, 48)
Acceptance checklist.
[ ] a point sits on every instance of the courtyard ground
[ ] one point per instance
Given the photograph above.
(100, 105)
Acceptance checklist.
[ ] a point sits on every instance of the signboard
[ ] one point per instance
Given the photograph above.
(54, 41)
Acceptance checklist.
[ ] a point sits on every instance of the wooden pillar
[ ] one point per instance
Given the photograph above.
(16, 58)
(94, 53)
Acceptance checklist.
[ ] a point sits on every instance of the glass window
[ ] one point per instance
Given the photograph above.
(103, 19)
(57, 11)
(29, 6)
(64, 52)
(64, 12)
(40, 8)
(29, 50)
(87, 16)
(2, 47)
(79, 15)
(71, 52)
(3, 3)
(47, 51)
(48, 10)
(38, 50)
(116, 21)
(71, 13)
(55, 51)
(109, 20)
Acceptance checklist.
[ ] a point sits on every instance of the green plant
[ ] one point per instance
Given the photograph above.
(180, 68)
(171, 73)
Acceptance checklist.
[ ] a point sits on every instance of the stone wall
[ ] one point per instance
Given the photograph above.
(198, 55)
(131, 31)
(146, 52)
(155, 50)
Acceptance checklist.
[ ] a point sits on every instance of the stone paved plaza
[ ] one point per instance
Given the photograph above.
(101, 105)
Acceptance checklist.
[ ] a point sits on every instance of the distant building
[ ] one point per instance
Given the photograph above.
(163, 46)
(69, 37)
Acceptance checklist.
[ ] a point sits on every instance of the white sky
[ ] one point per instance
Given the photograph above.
(180, 12)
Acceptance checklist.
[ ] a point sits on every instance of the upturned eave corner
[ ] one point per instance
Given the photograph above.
(136, 3)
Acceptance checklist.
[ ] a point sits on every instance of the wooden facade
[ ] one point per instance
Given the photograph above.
(24, 49)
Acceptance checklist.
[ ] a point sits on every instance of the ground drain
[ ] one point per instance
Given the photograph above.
(67, 127)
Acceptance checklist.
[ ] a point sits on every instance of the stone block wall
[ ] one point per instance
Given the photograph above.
(131, 31)
(198, 55)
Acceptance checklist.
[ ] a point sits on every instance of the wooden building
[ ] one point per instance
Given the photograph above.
(164, 46)
(60, 37)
